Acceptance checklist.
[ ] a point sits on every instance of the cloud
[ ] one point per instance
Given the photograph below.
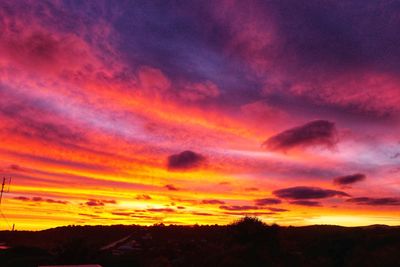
(112, 201)
(308, 203)
(15, 167)
(143, 197)
(395, 156)
(39, 49)
(171, 187)
(22, 198)
(122, 213)
(34, 50)
(251, 189)
(212, 201)
(349, 179)
(234, 207)
(94, 203)
(61, 162)
(89, 215)
(315, 133)
(278, 209)
(385, 201)
(261, 213)
(153, 80)
(201, 213)
(40, 199)
(305, 192)
(199, 91)
(161, 210)
(267, 201)
(33, 121)
(185, 160)
(99, 202)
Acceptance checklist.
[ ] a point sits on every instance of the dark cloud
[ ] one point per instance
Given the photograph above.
(143, 197)
(161, 210)
(202, 213)
(305, 192)
(308, 203)
(385, 201)
(15, 167)
(89, 215)
(171, 187)
(49, 200)
(99, 202)
(267, 201)
(277, 209)
(112, 201)
(251, 189)
(184, 160)
(121, 213)
(395, 156)
(40, 199)
(22, 198)
(34, 120)
(234, 207)
(261, 213)
(212, 201)
(186, 200)
(94, 203)
(187, 51)
(318, 32)
(62, 162)
(36, 51)
(349, 179)
(315, 133)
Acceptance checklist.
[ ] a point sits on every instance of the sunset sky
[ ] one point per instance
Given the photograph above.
(184, 112)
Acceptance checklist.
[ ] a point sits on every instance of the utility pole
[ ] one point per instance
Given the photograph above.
(2, 188)
(6, 183)
(3, 184)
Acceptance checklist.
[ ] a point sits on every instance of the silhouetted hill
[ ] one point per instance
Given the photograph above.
(248, 242)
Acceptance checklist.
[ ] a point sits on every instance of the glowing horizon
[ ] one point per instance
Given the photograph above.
(124, 113)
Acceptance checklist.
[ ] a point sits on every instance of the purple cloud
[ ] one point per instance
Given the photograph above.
(349, 179)
(212, 201)
(308, 203)
(171, 187)
(99, 202)
(305, 192)
(41, 199)
(143, 197)
(234, 207)
(267, 201)
(384, 201)
(315, 133)
(185, 160)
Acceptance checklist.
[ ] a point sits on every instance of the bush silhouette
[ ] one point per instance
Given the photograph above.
(249, 230)
(253, 242)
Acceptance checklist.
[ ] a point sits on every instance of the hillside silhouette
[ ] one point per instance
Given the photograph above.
(246, 242)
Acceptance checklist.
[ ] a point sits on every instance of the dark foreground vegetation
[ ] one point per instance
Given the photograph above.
(247, 242)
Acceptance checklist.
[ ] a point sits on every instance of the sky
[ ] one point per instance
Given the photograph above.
(185, 112)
